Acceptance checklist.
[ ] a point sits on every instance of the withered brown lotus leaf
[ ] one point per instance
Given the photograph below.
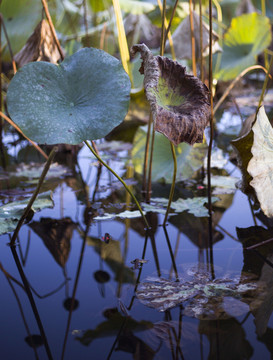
(180, 103)
(40, 46)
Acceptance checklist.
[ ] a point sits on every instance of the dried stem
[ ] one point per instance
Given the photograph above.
(52, 29)
(193, 41)
(8, 42)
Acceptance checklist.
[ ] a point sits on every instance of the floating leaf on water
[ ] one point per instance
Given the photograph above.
(223, 184)
(182, 39)
(180, 103)
(189, 158)
(194, 206)
(34, 171)
(247, 37)
(123, 215)
(260, 166)
(205, 299)
(40, 46)
(83, 98)
(138, 262)
(10, 213)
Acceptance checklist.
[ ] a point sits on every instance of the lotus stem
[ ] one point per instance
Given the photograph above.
(8, 43)
(193, 57)
(34, 195)
(120, 179)
(173, 183)
(265, 85)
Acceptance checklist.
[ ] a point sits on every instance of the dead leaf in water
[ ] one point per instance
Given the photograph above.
(180, 103)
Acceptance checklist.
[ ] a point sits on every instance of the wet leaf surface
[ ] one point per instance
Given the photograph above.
(83, 98)
(180, 103)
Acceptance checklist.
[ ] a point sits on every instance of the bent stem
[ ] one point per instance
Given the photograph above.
(173, 183)
(120, 179)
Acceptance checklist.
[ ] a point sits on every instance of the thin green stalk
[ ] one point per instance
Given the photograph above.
(120, 179)
(149, 187)
(146, 156)
(173, 183)
(34, 195)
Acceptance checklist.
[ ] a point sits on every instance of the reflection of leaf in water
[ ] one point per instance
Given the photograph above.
(112, 326)
(111, 254)
(227, 339)
(260, 166)
(56, 235)
(261, 306)
(204, 298)
(223, 184)
(33, 171)
(10, 213)
(127, 214)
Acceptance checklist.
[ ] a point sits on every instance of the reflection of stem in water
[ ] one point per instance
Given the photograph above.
(176, 249)
(167, 317)
(116, 339)
(170, 251)
(24, 258)
(22, 314)
(149, 186)
(252, 212)
(176, 337)
(31, 300)
(75, 289)
(201, 347)
(269, 263)
(227, 233)
(179, 332)
(34, 195)
(153, 243)
(139, 271)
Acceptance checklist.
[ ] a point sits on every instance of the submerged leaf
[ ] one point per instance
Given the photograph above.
(83, 98)
(260, 166)
(179, 102)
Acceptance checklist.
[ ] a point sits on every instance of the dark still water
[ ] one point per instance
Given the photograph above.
(106, 290)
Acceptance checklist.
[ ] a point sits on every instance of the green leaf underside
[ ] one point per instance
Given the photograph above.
(247, 37)
(83, 98)
(10, 213)
(165, 97)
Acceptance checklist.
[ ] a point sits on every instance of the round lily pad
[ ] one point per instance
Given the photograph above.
(83, 98)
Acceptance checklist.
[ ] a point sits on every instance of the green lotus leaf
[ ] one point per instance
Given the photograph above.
(11, 213)
(83, 98)
(260, 167)
(189, 158)
(248, 36)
